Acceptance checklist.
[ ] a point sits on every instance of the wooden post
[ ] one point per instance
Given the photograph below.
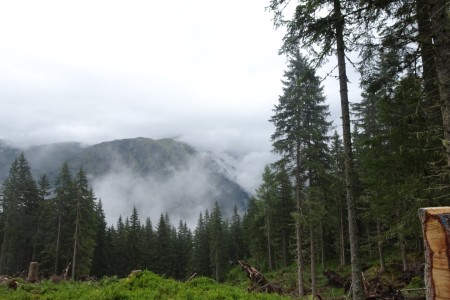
(436, 233)
(33, 272)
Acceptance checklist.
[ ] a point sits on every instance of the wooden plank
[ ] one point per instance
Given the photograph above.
(436, 231)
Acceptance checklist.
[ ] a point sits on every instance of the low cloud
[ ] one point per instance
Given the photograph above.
(183, 194)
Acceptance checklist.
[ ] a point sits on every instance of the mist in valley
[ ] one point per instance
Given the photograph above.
(182, 194)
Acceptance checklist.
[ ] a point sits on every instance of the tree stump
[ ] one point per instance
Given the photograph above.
(33, 272)
(436, 233)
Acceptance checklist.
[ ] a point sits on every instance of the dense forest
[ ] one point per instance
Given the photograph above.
(63, 224)
(347, 191)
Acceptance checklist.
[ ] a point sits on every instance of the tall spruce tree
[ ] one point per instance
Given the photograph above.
(120, 256)
(164, 246)
(283, 210)
(43, 226)
(199, 262)
(254, 233)
(101, 258)
(64, 191)
(324, 27)
(149, 245)
(217, 243)
(237, 246)
(134, 242)
(182, 250)
(267, 197)
(300, 136)
(85, 225)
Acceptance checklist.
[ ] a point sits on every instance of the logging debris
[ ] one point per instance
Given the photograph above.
(258, 281)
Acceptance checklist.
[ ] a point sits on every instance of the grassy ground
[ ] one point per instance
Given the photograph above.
(147, 285)
(143, 285)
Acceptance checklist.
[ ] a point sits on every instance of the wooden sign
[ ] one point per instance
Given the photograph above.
(436, 233)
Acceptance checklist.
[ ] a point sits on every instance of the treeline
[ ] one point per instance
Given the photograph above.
(177, 252)
(64, 225)
(55, 225)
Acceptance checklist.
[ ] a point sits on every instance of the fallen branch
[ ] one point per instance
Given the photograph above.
(256, 278)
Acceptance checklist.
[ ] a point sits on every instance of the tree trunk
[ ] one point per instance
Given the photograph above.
(298, 229)
(285, 244)
(403, 251)
(313, 261)
(269, 248)
(58, 237)
(357, 282)
(341, 238)
(217, 271)
(428, 55)
(380, 247)
(322, 250)
(75, 241)
(2, 253)
(440, 25)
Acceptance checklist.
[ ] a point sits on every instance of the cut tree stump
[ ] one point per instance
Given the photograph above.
(436, 233)
(33, 272)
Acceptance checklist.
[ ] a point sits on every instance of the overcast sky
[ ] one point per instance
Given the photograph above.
(203, 71)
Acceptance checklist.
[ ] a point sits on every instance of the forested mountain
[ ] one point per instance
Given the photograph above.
(126, 172)
(57, 216)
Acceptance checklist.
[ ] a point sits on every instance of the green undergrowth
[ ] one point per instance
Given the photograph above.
(147, 285)
(142, 285)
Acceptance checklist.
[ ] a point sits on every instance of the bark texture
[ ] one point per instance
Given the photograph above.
(440, 26)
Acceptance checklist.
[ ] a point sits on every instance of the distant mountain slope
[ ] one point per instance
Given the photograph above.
(142, 155)
(156, 176)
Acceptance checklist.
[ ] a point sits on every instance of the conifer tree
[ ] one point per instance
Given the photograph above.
(119, 238)
(134, 242)
(325, 27)
(149, 242)
(300, 136)
(63, 235)
(199, 262)
(164, 246)
(283, 211)
(44, 226)
(267, 197)
(237, 246)
(101, 257)
(20, 204)
(217, 243)
(253, 224)
(85, 225)
(183, 250)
